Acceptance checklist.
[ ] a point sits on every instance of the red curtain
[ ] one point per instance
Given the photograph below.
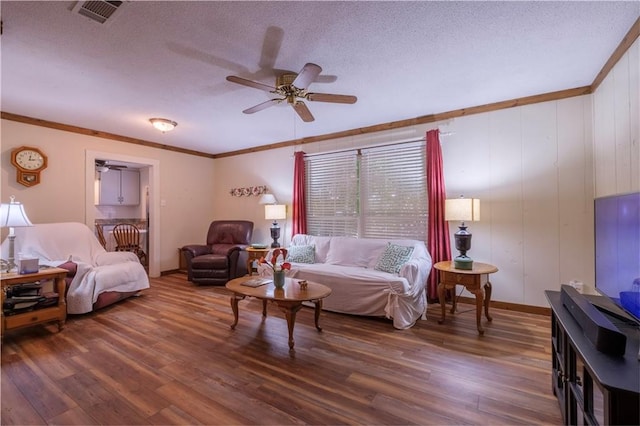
(437, 228)
(299, 206)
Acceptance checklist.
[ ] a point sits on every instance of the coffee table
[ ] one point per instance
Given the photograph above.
(289, 299)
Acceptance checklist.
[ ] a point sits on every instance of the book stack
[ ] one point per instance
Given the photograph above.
(27, 297)
(256, 282)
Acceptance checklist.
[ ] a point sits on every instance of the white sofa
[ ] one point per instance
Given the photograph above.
(100, 278)
(348, 267)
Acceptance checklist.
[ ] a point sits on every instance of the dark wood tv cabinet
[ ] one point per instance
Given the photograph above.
(593, 388)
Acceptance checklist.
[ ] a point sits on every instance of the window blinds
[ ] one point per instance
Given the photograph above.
(332, 194)
(393, 194)
(378, 193)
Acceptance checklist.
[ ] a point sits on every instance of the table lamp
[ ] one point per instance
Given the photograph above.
(462, 209)
(275, 212)
(267, 199)
(12, 215)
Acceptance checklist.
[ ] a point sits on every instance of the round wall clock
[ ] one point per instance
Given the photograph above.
(29, 162)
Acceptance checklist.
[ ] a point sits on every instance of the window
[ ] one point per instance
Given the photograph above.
(332, 194)
(377, 192)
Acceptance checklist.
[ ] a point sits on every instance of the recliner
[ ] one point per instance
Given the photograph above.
(223, 257)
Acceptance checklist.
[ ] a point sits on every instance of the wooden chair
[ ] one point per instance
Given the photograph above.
(127, 238)
(100, 234)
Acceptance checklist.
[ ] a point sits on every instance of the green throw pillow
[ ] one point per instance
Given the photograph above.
(393, 257)
(301, 254)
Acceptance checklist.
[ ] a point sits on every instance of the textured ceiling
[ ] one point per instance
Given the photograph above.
(401, 59)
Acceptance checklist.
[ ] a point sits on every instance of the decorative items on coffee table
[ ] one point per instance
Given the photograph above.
(288, 298)
(278, 255)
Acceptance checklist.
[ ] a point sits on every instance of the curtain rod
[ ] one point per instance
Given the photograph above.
(400, 142)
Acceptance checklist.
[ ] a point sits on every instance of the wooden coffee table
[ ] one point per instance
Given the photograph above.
(289, 299)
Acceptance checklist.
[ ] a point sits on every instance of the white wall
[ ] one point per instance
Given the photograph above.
(186, 184)
(530, 166)
(536, 169)
(273, 168)
(616, 142)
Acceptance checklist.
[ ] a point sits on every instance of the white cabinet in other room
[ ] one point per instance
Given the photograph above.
(119, 188)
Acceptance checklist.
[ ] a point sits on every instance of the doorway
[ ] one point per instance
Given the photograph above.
(152, 207)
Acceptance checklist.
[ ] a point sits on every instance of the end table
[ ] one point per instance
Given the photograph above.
(254, 254)
(56, 313)
(476, 280)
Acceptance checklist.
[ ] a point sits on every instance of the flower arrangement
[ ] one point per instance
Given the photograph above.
(274, 260)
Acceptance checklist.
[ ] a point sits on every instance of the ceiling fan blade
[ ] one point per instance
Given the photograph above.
(307, 75)
(263, 105)
(250, 83)
(324, 78)
(303, 111)
(271, 47)
(328, 97)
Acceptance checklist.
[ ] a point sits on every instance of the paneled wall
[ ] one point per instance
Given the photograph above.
(536, 169)
(531, 167)
(616, 142)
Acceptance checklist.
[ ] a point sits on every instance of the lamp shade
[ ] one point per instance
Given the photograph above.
(267, 199)
(462, 209)
(13, 215)
(275, 211)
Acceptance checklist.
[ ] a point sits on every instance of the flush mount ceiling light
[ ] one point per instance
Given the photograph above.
(163, 124)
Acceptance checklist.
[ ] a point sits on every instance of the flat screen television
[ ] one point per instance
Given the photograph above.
(617, 250)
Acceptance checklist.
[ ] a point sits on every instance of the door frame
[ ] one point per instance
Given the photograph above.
(154, 199)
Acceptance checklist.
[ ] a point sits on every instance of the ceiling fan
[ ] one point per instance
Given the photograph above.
(103, 166)
(292, 88)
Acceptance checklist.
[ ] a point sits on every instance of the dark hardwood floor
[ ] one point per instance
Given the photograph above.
(169, 357)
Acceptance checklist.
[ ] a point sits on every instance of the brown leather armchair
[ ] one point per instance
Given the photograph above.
(223, 258)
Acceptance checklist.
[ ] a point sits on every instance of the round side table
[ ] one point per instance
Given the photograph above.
(476, 280)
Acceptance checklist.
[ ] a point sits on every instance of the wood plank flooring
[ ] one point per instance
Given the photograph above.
(170, 357)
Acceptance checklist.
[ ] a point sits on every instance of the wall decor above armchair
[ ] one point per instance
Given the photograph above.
(248, 191)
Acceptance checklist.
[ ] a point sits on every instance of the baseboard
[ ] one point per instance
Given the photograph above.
(173, 271)
(538, 310)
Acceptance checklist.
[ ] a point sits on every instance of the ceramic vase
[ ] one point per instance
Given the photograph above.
(278, 279)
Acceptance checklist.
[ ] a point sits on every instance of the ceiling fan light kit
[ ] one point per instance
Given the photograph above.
(103, 166)
(163, 124)
(292, 88)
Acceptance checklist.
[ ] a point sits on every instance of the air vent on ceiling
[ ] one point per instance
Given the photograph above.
(102, 11)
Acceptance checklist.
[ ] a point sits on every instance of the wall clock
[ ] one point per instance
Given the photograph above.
(29, 162)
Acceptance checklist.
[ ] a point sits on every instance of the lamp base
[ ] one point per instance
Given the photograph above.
(463, 262)
(275, 234)
(11, 260)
